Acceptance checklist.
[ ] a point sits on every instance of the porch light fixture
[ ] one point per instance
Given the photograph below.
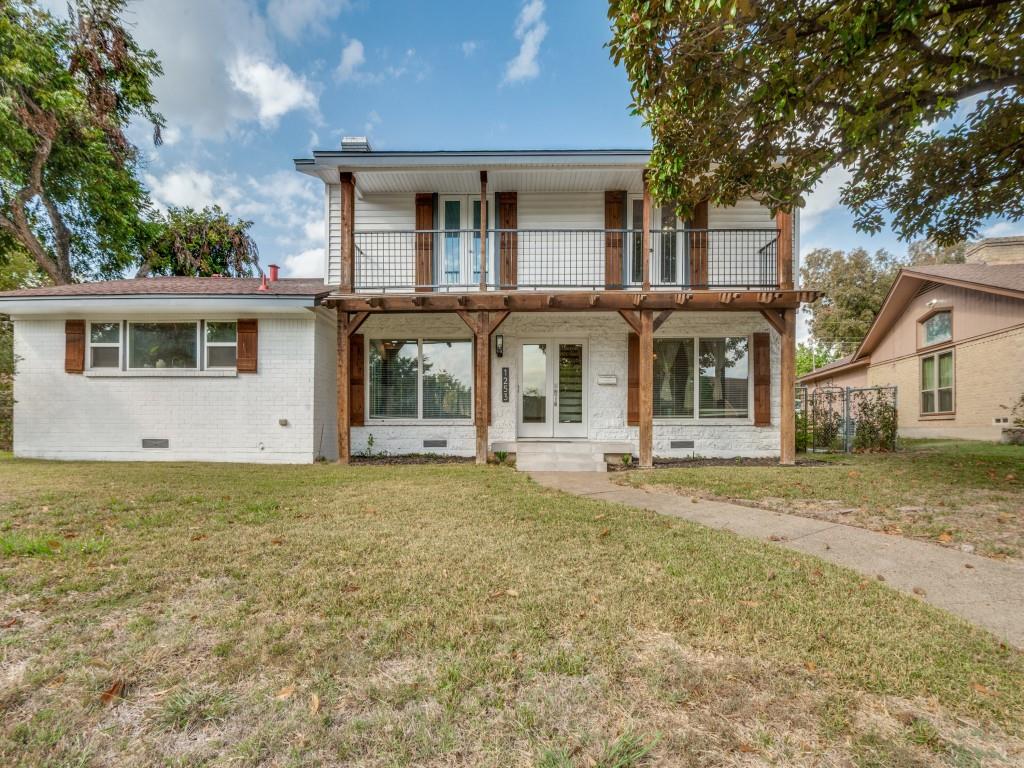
(499, 345)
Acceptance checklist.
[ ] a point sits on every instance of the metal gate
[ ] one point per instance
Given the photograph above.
(836, 419)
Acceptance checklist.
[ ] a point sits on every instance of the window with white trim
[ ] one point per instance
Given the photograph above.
(426, 379)
(159, 345)
(704, 377)
(105, 345)
(221, 343)
(937, 383)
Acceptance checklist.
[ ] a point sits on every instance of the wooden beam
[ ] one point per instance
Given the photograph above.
(348, 232)
(552, 300)
(784, 251)
(470, 319)
(646, 388)
(664, 315)
(482, 375)
(483, 230)
(356, 320)
(631, 318)
(495, 320)
(681, 298)
(645, 236)
(344, 389)
(594, 299)
(787, 383)
(775, 320)
(638, 299)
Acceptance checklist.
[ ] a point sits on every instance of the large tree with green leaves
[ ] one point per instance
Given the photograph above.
(69, 192)
(198, 244)
(761, 97)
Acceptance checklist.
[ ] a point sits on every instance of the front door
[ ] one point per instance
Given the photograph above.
(552, 391)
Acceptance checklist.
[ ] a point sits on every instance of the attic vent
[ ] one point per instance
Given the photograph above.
(155, 442)
(435, 443)
(355, 144)
(681, 444)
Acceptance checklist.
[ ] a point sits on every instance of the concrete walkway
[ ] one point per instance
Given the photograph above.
(986, 592)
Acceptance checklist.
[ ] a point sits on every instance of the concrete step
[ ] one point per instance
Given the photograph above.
(559, 457)
(576, 448)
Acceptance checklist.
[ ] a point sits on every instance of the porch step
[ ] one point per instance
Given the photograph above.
(560, 457)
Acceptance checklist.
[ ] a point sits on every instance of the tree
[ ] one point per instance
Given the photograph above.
(69, 194)
(762, 97)
(810, 357)
(198, 244)
(925, 252)
(854, 285)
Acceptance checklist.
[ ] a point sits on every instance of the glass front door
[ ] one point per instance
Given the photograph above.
(552, 391)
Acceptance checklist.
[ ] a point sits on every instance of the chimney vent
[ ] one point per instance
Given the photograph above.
(355, 144)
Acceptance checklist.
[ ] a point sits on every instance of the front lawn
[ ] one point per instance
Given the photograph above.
(185, 615)
(955, 493)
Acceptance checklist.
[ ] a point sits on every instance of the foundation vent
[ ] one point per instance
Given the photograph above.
(156, 442)
(681, 444)
(435, 443)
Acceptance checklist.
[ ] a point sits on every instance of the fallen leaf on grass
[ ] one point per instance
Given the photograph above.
(810, 666)
(979, 688)
(198, 536)
(746, 748)
(314, 704)
(9, 623)
(503, 593)
(113, 692)
(285, 693)
(604, 532)
(277, 541)
(945, 537)
(853, 473)
(919, 591)
(600, 517)
(776, 537)
(968, 565)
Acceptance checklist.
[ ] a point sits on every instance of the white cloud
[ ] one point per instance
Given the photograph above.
(274, 88)
(530, 31)
(353, 56)
(469, 48)
(372, 121)
(309, 263)
(294, 17)
(184, 186)
(823, 198)
(1004, 229)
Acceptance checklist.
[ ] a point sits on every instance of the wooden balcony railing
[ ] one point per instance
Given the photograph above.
(552, 259)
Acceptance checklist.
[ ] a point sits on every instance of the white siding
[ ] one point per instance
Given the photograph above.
(59, 415)
(737, 258)
(333, 273)
(549, 259)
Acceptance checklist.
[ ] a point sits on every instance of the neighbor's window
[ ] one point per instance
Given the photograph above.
(937, 383)
(724, 377)
(105, 345)
(673, 378)
(938, 328)
(221, 344)
(447, 379)
(394, 378)
(163, 345)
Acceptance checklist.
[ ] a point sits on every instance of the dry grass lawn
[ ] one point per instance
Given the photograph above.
(953, 493)
(187, 615)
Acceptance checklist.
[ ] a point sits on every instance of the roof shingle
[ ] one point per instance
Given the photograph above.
(178, 286)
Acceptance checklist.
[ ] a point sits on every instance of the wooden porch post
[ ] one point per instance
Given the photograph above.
(483, 230)
(482, 371)
(348, 229)
(646, 388)
(645, 246)
(784, 253)
(347, 325)
(787, 383)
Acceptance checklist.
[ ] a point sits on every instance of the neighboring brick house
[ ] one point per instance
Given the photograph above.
(951, 339)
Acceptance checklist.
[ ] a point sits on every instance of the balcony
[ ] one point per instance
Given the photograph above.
(564, 259)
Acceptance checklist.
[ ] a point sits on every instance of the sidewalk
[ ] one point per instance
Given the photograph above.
(986, 592)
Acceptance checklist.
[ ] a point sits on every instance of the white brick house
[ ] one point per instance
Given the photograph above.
(473, 302)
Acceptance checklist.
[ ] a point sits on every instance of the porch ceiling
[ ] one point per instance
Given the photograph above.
(467, 181)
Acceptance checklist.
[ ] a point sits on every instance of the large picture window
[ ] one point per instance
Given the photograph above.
(708, 378)
(673, 378)
(447, 379)
(163, 345)
(420, 379)
(937, 383)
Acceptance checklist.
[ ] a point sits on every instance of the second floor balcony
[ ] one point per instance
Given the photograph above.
(461, 260)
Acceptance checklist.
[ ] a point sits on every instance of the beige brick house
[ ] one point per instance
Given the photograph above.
(951, 339)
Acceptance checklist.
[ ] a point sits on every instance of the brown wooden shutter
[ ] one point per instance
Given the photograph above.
(248, 346)
(425, 241)
(762, 379)
(699, 246)
(357, 398)
(633, 381)
(74, 346)
(614, 219)
(508, 242)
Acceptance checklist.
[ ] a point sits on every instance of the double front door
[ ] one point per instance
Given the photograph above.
(552, 388)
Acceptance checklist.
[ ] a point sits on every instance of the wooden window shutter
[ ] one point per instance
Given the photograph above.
(614, 218)
(762, 380)
(425, 241)
(248, 346)
(74, 346)
(699, 246)
(633, 381)
(508, 242)
(356, 396)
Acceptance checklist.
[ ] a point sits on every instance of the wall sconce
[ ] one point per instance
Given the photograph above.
(499, 345)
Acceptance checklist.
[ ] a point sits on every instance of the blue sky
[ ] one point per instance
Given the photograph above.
(251, 84)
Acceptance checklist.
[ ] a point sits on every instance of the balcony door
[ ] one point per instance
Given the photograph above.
(459, 261)
(552, 389)
(669, 247)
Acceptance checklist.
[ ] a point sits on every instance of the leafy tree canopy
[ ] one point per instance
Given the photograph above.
(69, 194)
(761, 97)
(198, 244)
(810, 357)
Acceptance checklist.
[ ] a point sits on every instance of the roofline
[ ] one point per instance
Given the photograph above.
(961, 283)
(178, 303)
(823, 372)
(455, 158)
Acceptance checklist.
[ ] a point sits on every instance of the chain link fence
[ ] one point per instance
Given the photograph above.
(836, 419)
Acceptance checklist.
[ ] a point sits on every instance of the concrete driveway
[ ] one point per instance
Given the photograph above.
(986, 592)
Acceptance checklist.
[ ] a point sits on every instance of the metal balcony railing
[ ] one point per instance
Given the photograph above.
(588, 259)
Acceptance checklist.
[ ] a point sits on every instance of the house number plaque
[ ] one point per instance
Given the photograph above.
(504, 384)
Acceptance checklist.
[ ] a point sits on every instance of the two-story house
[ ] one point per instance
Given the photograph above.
(533, 302)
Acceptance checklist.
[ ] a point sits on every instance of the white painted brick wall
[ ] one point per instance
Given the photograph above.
(72, 416)
(325, 386)
(606, 335)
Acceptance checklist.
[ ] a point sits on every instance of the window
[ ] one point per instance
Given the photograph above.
(724, 378)
(105, 345)
(413, 379)
(221, 344)
(163, 345)
(636, 272)
(673, 378)
(937, 383)
(938, 328)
